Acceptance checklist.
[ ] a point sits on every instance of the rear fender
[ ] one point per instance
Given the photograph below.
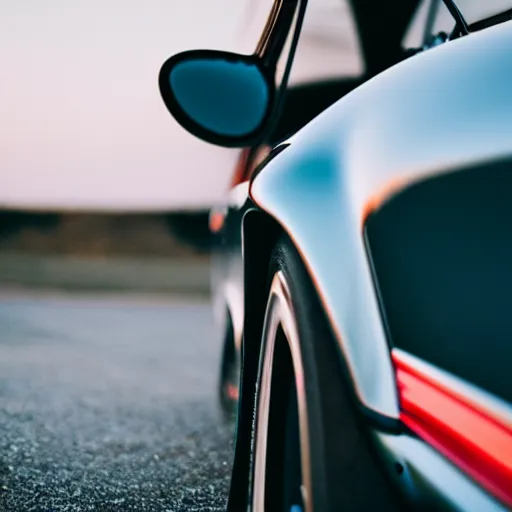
(304, 191)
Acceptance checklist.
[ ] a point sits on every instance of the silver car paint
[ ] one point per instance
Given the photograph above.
(429, 479)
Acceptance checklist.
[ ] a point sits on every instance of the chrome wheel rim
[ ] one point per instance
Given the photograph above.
(279, 314)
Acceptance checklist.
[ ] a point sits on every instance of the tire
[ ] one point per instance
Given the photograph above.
(310, 451)
(229, 375)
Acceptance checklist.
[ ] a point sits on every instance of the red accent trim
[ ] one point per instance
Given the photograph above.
(248, 160)
(216, 221)
(241, 168)
(231, 391)
(473, 438)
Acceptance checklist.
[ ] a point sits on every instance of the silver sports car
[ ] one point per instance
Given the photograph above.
(363, 260)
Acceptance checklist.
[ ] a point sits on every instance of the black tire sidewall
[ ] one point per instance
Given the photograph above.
(344, 471)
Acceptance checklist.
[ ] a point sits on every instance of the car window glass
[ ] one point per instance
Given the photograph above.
(476, 10)
(251, 25)
(472, 10)
(328, 46)
(443, 22)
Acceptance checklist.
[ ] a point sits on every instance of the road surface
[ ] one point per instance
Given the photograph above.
(108, 404)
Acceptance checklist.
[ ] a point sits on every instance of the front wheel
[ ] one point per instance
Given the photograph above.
(309, 451)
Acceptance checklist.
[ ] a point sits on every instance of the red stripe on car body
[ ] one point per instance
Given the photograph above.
(465, 432)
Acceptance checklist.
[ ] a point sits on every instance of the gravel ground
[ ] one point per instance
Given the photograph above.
(109, 404)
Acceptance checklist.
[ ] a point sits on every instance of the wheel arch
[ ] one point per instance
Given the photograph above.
(260, 233)
(302, 192)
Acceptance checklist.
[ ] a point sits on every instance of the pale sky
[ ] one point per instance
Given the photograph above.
(82, 122)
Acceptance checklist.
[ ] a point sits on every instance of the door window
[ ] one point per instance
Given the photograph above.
(433, 17)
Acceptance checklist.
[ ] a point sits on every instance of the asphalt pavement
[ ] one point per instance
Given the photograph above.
(107, 403)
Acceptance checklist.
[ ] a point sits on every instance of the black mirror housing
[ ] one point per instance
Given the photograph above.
(223, 98)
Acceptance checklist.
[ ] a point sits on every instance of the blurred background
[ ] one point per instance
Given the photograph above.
(92, 166)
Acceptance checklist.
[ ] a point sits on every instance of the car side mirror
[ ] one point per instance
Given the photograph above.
(221, 97)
